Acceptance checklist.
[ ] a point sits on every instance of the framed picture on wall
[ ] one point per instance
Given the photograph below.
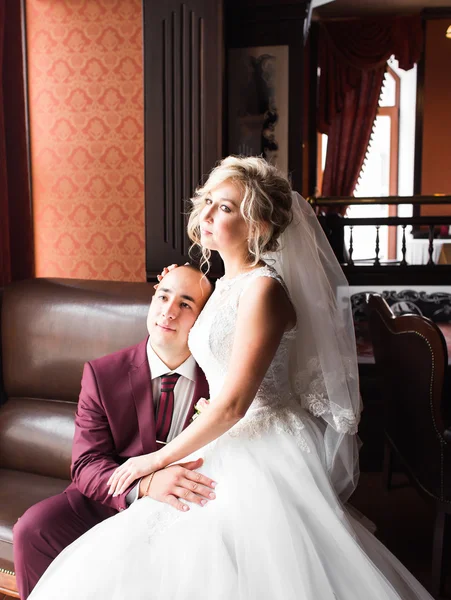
(265, 82)
(258, 98)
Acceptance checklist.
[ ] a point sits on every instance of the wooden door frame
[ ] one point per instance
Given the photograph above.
(393, 113)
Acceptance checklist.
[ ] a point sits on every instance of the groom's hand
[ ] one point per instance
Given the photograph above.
(179, 481)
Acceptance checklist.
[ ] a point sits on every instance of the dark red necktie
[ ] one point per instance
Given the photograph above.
(165, 406)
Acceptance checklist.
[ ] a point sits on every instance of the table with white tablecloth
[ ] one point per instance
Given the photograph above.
(417, 251)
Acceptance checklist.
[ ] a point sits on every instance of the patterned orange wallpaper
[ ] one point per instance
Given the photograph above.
(87, 139)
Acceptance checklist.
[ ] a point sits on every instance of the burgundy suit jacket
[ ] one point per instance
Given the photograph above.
(115, 420)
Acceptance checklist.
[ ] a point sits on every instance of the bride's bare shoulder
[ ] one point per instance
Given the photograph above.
(267, 295)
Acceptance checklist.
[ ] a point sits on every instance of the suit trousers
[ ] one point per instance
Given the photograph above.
(46, 529)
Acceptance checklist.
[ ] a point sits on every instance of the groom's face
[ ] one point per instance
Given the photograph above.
(175, 306)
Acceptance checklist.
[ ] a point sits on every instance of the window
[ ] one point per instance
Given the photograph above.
(379, 175)
(388, 166)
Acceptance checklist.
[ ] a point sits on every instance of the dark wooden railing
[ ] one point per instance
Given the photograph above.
(392, 271)
(350, 200)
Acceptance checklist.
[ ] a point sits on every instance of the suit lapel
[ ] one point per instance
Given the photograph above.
(141, 387)
(200, 391)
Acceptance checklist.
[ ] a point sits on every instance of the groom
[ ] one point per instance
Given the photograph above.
(128, 405)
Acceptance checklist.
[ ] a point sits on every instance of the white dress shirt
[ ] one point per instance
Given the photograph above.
(183, 394)
(183, 390)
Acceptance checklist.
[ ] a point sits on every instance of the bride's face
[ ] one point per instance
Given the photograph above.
(222, 225)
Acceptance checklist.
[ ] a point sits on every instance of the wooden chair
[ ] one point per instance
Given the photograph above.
(411, 357)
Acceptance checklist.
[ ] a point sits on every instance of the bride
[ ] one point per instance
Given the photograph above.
(275, 341)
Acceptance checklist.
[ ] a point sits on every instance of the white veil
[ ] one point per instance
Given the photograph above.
(323, 365)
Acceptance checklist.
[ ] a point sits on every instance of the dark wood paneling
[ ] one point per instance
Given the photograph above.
(183, 81)
(312, 121)
(17, 244)
(419, 110)
(412, 275)
(279, 24)
(436, 12)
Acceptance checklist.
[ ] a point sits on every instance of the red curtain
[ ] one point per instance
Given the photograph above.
(16, 234)
(353, 57)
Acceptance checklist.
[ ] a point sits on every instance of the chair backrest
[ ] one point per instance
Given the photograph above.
(49, 329)
(411, 357)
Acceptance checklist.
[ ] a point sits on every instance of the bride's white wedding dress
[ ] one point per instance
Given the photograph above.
(276, 530)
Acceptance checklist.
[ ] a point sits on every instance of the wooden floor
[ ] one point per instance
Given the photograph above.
(404, 523)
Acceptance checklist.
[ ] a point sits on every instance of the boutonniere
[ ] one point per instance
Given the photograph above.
(199, 407)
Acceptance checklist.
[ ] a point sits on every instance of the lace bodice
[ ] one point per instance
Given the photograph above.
(211, 342)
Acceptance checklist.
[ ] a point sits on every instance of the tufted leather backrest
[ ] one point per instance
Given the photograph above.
(411, 356)
(49, 329)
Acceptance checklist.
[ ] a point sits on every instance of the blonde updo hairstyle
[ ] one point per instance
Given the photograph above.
(266, 203)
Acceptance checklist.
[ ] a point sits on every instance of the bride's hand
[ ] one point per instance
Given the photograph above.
(165, 271)
(130, 471)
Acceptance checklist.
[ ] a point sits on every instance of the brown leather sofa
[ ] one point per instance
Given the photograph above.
(49, 329)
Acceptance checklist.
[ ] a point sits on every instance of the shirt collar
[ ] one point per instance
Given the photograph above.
(158, 367)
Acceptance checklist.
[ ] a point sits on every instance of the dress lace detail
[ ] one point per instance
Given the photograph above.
(262, 420)
(274, 408)
(159, 522)
(313, 394)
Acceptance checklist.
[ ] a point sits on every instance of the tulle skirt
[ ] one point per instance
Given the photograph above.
(275, 531)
